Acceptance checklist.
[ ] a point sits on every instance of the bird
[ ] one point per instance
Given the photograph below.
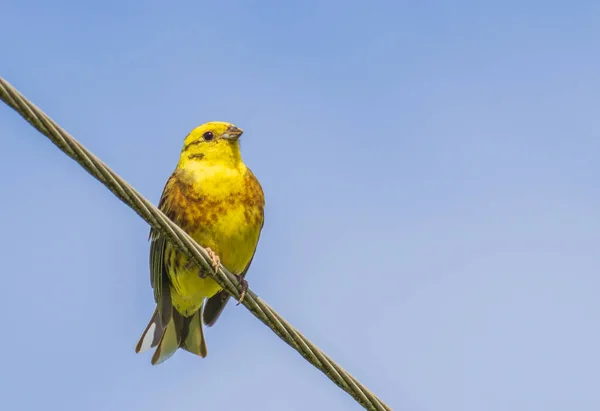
(214, 197)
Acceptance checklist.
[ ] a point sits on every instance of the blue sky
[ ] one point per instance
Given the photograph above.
(433, 211)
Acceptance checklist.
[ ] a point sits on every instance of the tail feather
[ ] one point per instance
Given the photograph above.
(169, 341)
(194, 336)
(179, 332)
(151, 335)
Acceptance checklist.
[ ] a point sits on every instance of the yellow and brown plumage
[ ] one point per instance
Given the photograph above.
(216, 199)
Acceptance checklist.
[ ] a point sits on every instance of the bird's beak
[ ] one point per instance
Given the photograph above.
(232, 133)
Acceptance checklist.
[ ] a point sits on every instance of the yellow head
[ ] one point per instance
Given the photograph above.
(213, 143)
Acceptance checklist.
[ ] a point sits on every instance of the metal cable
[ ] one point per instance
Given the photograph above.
(187, 245)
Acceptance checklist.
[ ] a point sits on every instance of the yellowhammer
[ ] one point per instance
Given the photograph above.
(216, 199)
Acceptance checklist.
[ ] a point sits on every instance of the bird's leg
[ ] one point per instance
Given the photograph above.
(244, 285)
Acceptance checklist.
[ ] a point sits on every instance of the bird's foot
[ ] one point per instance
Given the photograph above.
(244, 285)
(215, 261)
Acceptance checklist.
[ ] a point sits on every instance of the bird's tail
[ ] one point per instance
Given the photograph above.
(179, 332)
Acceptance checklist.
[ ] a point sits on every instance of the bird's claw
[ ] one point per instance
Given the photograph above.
(244, 285)
(215, 261)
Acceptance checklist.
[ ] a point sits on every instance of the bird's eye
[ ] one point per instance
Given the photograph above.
(208, 136)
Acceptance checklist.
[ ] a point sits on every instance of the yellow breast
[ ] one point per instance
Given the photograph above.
(222, 209)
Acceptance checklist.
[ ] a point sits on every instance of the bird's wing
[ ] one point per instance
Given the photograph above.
(159, 276)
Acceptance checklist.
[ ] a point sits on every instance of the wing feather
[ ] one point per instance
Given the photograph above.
(159, 275)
